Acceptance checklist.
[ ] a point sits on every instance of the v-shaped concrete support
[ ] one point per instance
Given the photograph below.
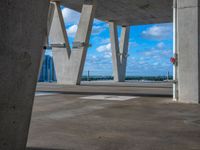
(69, 62)
(119, 52)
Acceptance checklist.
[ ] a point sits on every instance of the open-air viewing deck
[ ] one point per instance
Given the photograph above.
(112, 117)
(149, 50)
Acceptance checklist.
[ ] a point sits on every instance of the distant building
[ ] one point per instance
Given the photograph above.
(47, 72)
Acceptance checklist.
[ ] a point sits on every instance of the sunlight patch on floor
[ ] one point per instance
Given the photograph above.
(109, 97)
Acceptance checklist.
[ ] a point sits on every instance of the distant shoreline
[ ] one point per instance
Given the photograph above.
(137, 78)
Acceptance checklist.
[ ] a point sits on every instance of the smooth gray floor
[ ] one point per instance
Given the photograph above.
(64, 121)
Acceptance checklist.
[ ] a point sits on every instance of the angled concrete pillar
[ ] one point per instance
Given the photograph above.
(188, 47)
(46, 41)
(69, 62)
(175, 51)
(22, 35)
(119, 52)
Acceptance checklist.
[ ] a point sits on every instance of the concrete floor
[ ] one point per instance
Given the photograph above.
(64, 121)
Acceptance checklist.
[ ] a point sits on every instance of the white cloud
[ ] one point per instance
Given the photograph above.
(148, 53)
(104, 48)
(158, 32)
(107, 55)
(72, 19)
(105, 40)
(96, 21)
(133, 44)
(160, 45)
(71, 31)
(97, 29)
(70, 16)
(156, 63)
(94, 57)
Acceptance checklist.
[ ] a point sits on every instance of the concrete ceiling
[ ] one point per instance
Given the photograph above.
(129, 12)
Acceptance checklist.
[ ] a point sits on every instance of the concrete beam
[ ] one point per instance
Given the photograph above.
(69, 62)
(119, 52)
(22, 35)
(188, 47)
(129, 12)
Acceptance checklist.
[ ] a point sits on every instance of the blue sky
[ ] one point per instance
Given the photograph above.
(150, 47)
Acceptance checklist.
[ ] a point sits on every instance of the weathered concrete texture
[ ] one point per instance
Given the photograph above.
(66, 122)
(119, 52)
(129, 12)
(69, 62)
(22, 34)
(188, 50)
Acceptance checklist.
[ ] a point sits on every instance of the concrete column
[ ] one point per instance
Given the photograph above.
(119, 52)
(124, 43)
(58, 35)
(115, 50)
(22, 35)
(46, 42)
(188, 46)
(175, 51)
(69, 62)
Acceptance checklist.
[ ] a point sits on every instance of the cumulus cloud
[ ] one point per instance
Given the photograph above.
(104, 48)
(97, 29)
(71, 31)
(72, 19)
(70, 16)
(151, 61)
(107, 55)
(158, 32)
(104, 40)
(98, 65)
(160, 45)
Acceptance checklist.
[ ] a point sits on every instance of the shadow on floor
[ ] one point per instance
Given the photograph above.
(106, 93)
(34, 148)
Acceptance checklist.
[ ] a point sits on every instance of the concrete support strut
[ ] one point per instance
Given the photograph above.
(69, 62)
(175, 73)
(188, 47)
(119, 52)
(22, 35)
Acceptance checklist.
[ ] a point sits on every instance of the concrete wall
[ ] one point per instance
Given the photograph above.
(188, 50)
(22, 33)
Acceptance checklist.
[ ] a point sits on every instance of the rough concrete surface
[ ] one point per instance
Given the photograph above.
(22, 34)
(64, 121)
(188, 51)
(129, 12)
